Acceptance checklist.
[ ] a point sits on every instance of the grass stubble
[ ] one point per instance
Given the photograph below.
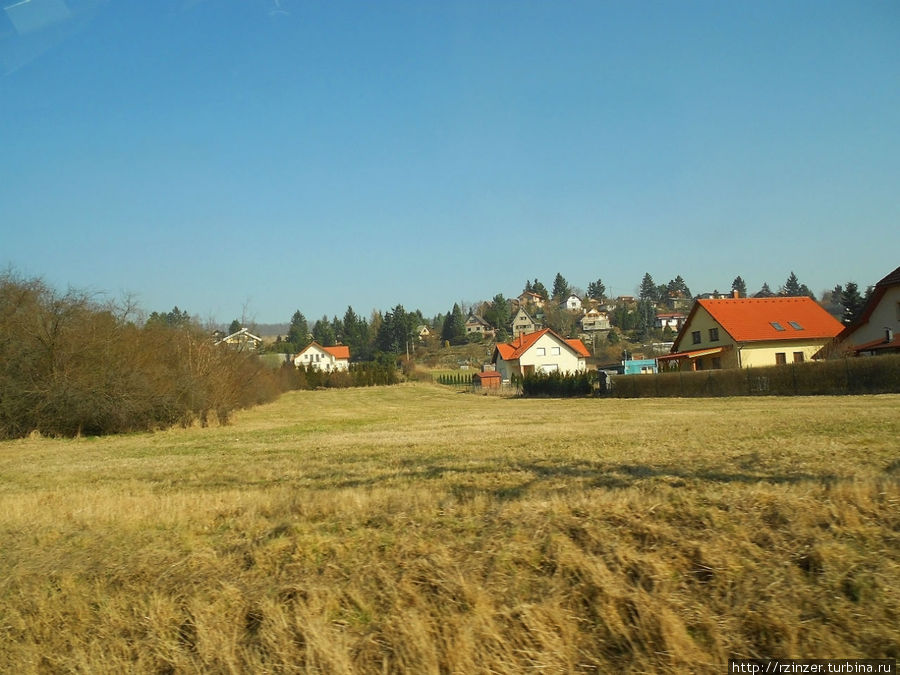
(414, 529)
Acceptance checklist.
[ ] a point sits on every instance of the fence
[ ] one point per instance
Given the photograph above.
(873, 375)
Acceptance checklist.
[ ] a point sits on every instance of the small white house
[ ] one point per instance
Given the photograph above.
(325, 359)
(541, 352)
(572, 303)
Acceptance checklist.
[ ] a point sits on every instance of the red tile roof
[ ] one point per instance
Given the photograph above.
(755, 319)
(338, 352)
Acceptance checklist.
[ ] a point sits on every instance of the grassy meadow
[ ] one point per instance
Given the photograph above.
(416, 529)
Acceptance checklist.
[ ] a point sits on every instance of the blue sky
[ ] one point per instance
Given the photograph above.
(259, 156)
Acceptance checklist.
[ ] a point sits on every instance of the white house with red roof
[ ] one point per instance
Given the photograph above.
(325, 359)
(748, 332)
(877, 331)
(543, 351)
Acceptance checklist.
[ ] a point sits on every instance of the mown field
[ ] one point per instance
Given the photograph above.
(419, 530)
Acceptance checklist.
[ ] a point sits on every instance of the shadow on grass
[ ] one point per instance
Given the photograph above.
(466, 480)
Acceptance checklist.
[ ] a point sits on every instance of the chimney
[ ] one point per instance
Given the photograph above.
(735, 293)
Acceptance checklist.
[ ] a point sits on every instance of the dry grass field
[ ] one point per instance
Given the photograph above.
(419, 530)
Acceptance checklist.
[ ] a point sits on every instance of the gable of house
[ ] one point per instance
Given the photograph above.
(878, 328)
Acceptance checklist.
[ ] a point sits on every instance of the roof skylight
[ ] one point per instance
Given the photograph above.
(795, 325)
(777, 326)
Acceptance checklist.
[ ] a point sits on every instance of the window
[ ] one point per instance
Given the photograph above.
(540, 351)
(798, 357)
(554, 351)
(777, 326)
(780, 358)
(713, 334)
(695, 336)
(795, 325)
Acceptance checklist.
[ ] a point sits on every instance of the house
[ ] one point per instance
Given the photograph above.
(242, 340)
(530, 298)
(423, 332)
(325, 359)
(543, 351)
(672, 320)
(523, 323)
(877, 331)
(748, 332)
(572, 303)
(476, 324)
(594, 320)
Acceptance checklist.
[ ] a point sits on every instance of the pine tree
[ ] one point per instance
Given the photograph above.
(454, 328)
(648, 288)
(852, 302)
(298, 332)
(539, 288)
(596, 290)
(740, 286)
(791, 287)
(234, 327)
(560, 287)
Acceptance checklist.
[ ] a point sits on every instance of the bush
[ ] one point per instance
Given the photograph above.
(558, 385)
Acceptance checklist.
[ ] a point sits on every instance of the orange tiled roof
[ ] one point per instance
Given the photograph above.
(755, 319)
(338, 352)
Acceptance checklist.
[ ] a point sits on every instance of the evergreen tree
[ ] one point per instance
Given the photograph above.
(454, 328)
(740, 286)
(174, 319)
(560, 287)
(539, 288)
(528, 287)
(764, 292)
(298, 332)
(791, 287)
(596, 290)
(648, 288)
(234, 327)
(852, 302)
(677, 288)
(323, 332)
(646, 316)
(497, 314)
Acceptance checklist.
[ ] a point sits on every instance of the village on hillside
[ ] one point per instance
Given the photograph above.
(663, 329)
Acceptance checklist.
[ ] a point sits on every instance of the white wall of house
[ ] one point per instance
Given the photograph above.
(319, 359)
(885, 315)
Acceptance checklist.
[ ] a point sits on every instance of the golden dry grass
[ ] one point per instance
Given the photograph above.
(415, 529)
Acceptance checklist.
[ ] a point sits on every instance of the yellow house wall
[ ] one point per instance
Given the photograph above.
(702, 321)
(759, 354)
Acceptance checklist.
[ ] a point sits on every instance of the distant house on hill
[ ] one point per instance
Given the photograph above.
(476, 324)
(530, 298)
(572, 303)
(325, 359)
(877, 331)
(242, 340)
(672, 320)
(594, 320)
(747, 332)
(523, 323)
(543, 351)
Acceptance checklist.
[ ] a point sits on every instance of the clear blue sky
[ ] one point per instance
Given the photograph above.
(281, 154)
